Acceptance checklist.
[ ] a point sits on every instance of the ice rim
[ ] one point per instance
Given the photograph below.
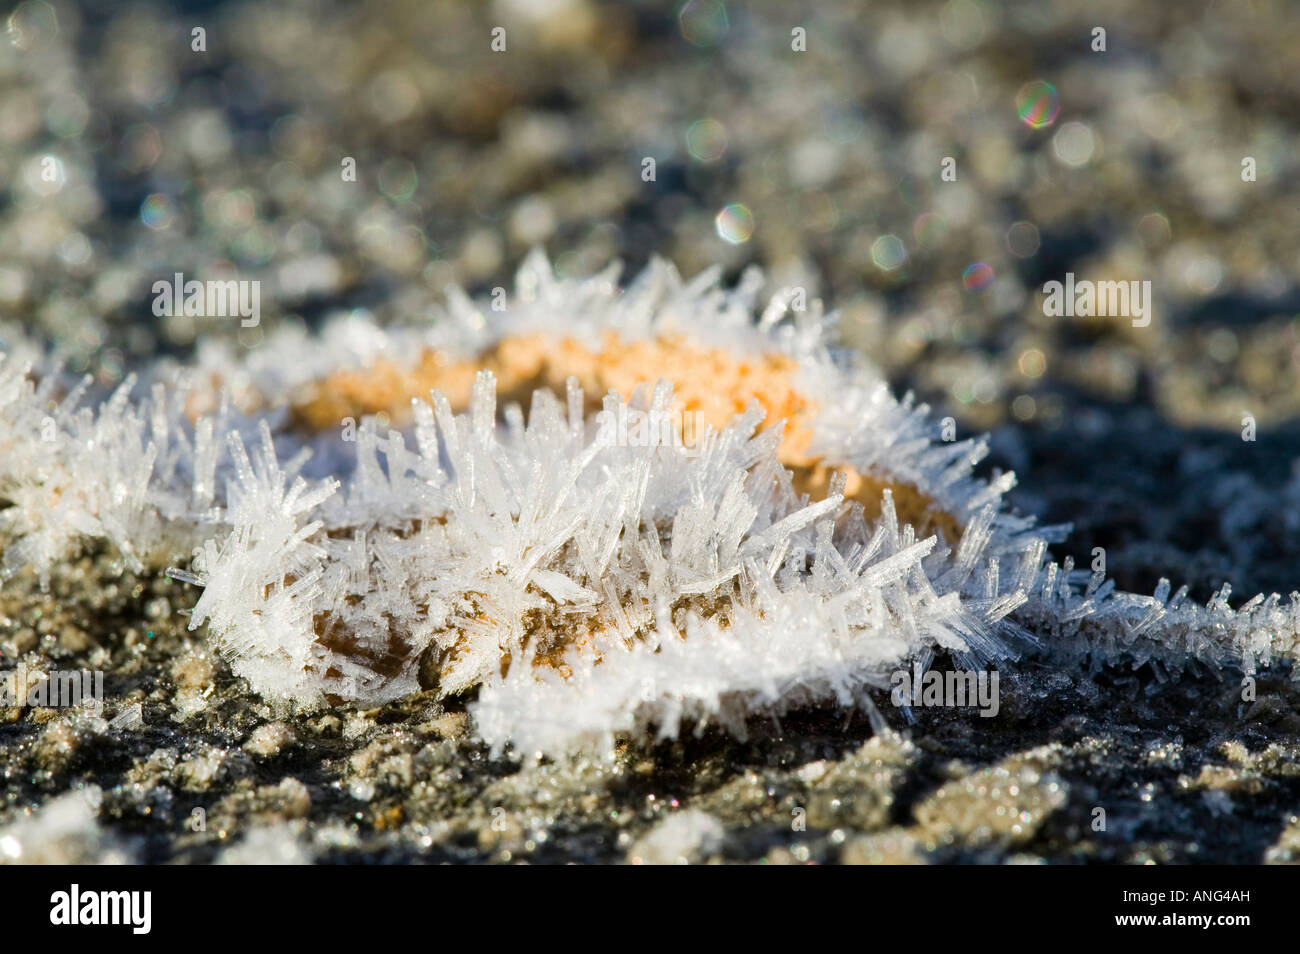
(705, 588)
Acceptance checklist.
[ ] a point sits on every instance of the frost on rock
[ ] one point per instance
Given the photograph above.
(132, 474)
(485, 533)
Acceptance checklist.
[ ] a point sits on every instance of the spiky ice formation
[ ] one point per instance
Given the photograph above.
(588, 587)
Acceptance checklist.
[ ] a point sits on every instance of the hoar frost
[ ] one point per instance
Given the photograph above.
(586, 588)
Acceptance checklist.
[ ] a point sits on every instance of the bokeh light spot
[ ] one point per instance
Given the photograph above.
(703, 22)
(977, 277)
(1032, 363)
(706, 140)
(1074, 144)
(735, 224)
(888, 252)
(929, 229)
(158, 212)
(1037, 104)
(1023, 239)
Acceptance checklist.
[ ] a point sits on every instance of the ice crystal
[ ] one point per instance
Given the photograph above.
(585, 588)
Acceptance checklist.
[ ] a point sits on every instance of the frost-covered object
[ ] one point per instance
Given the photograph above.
(128, 469)
(497, 537)
(122, 472)
(642, 582)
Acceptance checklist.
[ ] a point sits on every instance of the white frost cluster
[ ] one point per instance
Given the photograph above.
(590, 590)
(122, 472)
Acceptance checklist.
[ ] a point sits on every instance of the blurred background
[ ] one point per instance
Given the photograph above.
(821, 164)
